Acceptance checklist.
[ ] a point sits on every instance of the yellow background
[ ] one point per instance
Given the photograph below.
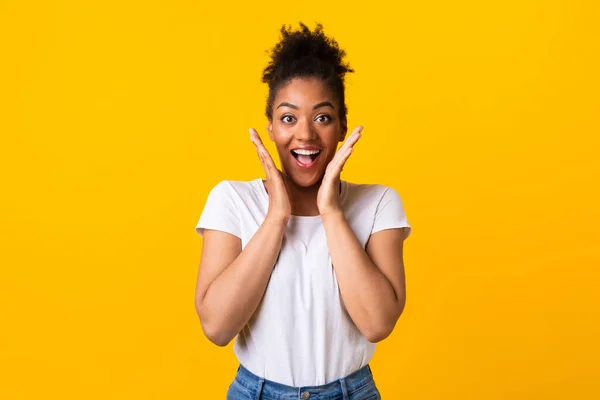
(117, 117)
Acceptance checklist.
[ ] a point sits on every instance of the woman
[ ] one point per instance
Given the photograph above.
(304, 268)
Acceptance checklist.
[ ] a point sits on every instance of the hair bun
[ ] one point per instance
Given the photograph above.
(306, 53)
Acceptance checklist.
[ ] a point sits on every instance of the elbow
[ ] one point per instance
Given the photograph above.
(215, 333)
(216, 337)
(377, 335)
(376, 332)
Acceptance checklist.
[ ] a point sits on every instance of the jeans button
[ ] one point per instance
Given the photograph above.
(305, 395)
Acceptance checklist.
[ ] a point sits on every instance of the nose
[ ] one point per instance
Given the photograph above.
(305, 131)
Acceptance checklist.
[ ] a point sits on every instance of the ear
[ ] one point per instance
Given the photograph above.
(344, 130)
(270, 130)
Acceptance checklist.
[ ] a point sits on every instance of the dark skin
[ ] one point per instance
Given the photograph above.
(232, 280)
(305, 114)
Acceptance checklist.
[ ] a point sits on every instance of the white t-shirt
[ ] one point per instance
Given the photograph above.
(301, 333)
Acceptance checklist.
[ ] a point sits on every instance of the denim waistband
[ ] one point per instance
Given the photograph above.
(340, 387)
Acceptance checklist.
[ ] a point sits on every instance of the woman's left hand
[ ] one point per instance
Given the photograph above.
(329, 192)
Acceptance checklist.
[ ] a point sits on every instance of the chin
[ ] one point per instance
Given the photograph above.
(305, 181)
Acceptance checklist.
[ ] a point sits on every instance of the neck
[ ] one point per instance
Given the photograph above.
(302, 199)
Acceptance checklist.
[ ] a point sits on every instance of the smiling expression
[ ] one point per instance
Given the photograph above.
(306, 129)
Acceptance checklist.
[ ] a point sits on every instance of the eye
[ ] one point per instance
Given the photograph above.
(287, 119)
(323, 118)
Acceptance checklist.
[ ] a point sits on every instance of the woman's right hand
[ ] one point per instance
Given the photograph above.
(280, 208)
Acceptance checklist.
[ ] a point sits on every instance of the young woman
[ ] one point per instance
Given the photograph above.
(304, 268)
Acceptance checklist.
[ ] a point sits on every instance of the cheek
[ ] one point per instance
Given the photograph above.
(334, 130)
(282, 135)
(281, 140)
(332, 137)
(330, 155)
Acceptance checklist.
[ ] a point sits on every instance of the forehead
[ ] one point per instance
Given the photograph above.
(305, 92)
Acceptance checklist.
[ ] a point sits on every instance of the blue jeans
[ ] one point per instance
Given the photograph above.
(359, 385)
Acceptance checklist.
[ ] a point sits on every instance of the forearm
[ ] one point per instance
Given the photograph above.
(234, 295)
(368, 295)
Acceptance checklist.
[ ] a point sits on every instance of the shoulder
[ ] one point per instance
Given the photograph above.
(237, 188)
(369, 192)
(371, 208)
(240, 193)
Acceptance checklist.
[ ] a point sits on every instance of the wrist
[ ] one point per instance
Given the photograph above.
(332, 214)
(276, 220)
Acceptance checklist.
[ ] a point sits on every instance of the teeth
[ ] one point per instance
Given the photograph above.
(306, 152)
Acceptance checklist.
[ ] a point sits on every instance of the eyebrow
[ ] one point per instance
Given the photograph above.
(323, 104)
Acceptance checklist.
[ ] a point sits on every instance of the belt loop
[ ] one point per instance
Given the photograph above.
(261, 382)
(344, 389)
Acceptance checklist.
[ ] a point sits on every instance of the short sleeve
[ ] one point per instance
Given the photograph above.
(220, 211)
(390, 213)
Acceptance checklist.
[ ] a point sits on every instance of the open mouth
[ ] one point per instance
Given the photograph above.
(306, 158)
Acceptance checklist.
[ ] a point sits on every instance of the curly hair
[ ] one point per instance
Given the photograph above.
(305, 54)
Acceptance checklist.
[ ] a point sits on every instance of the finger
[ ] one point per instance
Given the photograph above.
(267, 156)
(349, 143)
(353, 138)
(335, 167)
(260, 147)
(266, 159)
(259, 150)
(255, 139)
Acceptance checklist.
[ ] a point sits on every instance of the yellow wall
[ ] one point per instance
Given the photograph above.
(117, 117)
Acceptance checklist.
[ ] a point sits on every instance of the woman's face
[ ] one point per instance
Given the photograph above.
(306, 129)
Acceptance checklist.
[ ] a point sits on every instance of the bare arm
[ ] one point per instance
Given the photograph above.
(372, 282)
(232, 281)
